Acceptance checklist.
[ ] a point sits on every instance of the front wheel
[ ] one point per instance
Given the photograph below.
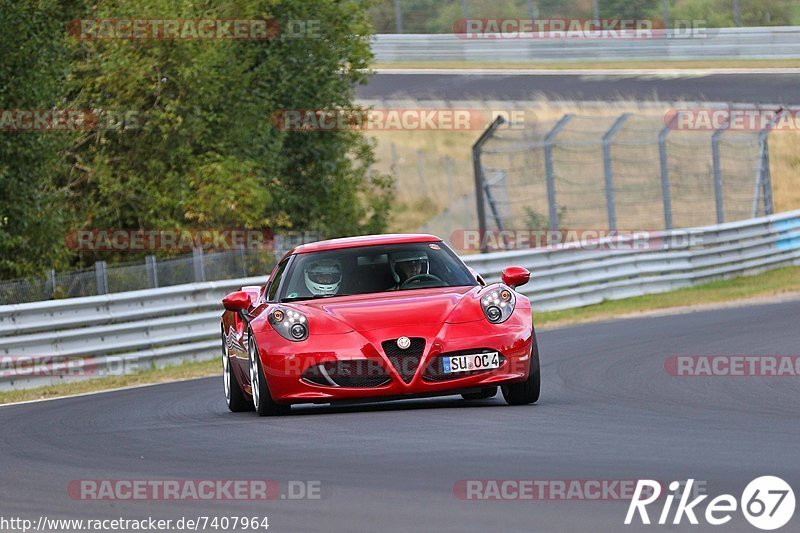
(262, 400)
(526, 392)
(235, 398)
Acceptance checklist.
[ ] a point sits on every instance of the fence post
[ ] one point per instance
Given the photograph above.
(101, 277)
(480, 180)
(199, 267)
(715, 168)
(763, 174)
(152, 271)
(243, 260)
(533, 10)
(549, 141)
(398, 16)
(51, 283)
(608, 170)
(666, 193)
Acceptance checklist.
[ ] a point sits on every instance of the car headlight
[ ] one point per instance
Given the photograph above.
(290, 324)
(498, 304)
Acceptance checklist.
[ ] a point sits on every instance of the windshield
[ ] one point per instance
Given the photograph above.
(371, 269)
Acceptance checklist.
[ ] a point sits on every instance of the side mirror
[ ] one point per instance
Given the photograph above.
(237, 301)
(516, 276)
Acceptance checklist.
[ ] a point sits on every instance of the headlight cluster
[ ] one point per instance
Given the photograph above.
(498, 304)
(289, 324)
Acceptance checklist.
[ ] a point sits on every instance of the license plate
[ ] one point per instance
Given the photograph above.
(469, 363)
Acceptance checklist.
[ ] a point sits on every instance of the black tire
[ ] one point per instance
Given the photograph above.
(262, 399)
(484, 394)
(234, 396)
(526, 392)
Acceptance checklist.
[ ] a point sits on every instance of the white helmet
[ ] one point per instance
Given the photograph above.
(403, 257)
(323, 277)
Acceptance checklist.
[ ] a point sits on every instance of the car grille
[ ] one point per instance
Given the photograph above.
(435, 370)
(405, 361)
(355, 373)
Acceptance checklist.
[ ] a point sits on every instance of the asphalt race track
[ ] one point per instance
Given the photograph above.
(756, 88)
(609, 411)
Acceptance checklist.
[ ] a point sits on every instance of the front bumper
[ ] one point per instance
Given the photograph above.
(286, 364)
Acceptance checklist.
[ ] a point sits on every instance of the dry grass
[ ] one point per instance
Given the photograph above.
(785, 166)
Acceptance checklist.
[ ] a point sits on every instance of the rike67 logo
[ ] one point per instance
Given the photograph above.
(767, 503)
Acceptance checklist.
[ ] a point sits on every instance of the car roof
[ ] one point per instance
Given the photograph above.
(364, 240)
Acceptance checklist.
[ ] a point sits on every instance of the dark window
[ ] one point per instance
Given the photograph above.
(372, 269)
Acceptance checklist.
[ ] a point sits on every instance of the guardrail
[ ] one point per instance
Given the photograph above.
(101, 334)
(779, 42)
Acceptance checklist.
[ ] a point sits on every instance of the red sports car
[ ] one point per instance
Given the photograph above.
(377, 318)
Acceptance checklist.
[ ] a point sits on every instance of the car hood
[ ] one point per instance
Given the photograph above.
(399, 308)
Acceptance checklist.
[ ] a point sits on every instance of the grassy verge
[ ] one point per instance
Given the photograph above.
(187, 370)
(776, 282)
(773, 283)
(588, 65)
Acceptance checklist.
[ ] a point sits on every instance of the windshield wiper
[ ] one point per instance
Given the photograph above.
(315, 297)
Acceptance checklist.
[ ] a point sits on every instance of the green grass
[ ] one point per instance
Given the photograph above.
(187, 370)
(773, 283)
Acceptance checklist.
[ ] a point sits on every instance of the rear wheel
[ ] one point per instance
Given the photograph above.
(526, 392)
(484, 394)
(262, 400)
(235, 398)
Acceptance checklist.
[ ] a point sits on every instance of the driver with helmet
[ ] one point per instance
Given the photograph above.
(406, 265)
(323, 277)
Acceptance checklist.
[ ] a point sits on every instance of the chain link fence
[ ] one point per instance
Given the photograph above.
(150, 273)
(619, 172)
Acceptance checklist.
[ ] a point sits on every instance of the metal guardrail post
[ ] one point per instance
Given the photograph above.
(199, 267)
(152, 271)
(717, 171)
(666, 193)
(549, 141)
(480, 179)
(101, 277)
(608, 170)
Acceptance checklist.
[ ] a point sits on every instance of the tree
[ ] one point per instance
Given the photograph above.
(200, 150)
(33, 62)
